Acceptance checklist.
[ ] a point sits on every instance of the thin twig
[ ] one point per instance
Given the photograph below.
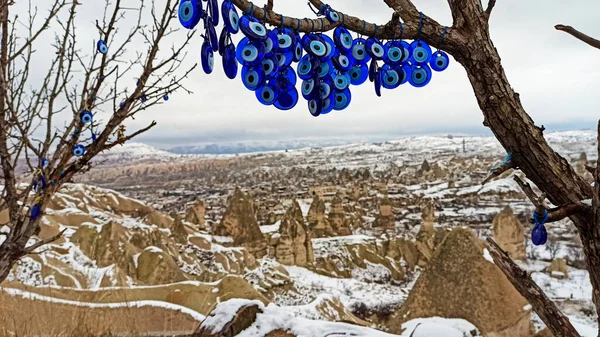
(579, 35)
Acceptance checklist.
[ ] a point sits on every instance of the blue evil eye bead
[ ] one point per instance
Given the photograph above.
(252, 77)
(329, 45)
(342, 39)
(315, 106)
(327, 105)
(341, 99)
(404, 72)
(250, 53)
(230, 16)
(252, 29)
(314, 45)
(539, 236)
(78, 150)
(166, 97)
(267, 94)
(270, 66)
(394, 53)
(342, 62)
(325, 90)
(122, 105)
(44, 162)
(207, 57)
(377, 82)
(213, 8)
(86, 116)
(223, 40)
(143, 98)
(359, 51)
(285, 42)
(333, 16)
(298, 51)
(189, 12)
(212, 35)
(286, 99)
(439, 61)
(420, 76)
(420, 52)
(285, 59)
(375, 48)
(102, 47)
(309, 89)
(230, 65)
(341, 81)
(358, 74)
(389, 77)
(305, 68)
(36, 210)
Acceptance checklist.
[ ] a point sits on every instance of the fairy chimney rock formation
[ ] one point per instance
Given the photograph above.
(558, 269)
(178, 231)
(319, 226)
(239, 222)
(385, 218)
(337, 217)
(425, 240)
(461, 282)
(509, 233)
(195, 214)
(294, 246)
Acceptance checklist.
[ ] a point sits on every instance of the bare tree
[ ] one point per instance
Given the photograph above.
(468, 41)
(80, 85)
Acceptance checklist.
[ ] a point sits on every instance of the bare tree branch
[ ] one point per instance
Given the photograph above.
(43, 242)
(522, 281)
(498, 170)
(490, 7)
(579, 35)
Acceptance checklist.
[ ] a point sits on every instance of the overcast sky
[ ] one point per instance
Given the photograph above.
(556, 76)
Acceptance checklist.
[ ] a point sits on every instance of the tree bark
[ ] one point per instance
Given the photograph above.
(516, 131)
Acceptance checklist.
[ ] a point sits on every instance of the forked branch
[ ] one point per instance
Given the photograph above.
(558, 323)
(490, 7)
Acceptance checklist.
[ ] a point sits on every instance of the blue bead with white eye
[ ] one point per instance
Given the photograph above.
(372, 70)
(305, 67)
(252, 77)
(330, 48)
(332, 16)
(342, 39)
(207, 57)
(325, 89)
(309, 89)
(267, 94)
(327, 105)
(359, 51)
(270, 66)
(389, 77)
(86, 116)
(377, 82)
(250, 53)
(341, 99)
(78, 150)
(252, 28)
(439, 61)
(102, 47)
(314, 45)
(342, 62)
(404, 72)
(287, 99)
(341, 81)
(420, 75)
(213, 9)
(189, 13)
(285, 59)
(375, 48)
(212, 36)
(394, 53)
(286, 41)
(358, 74)
(230, 16)
(420, 52)
(324, 69)
(298, 51)
(270, 43)
(315, 106)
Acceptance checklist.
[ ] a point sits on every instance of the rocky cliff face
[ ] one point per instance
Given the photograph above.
(316, 219)
(239, 223)
(195, 214)
(509, 233)
(337, 217)
(445, 289)
(294, 245)
(385, 219)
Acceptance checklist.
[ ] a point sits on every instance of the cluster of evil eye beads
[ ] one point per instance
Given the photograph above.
(327, 66)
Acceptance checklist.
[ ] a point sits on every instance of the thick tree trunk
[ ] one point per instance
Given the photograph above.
(517, 133)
